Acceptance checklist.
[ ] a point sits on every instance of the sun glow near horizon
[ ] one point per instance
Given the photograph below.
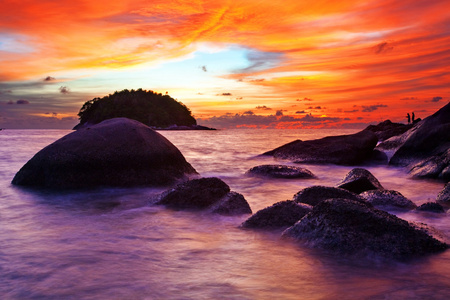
(237, 63)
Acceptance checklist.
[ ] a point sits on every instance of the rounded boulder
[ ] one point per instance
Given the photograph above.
(116, 152)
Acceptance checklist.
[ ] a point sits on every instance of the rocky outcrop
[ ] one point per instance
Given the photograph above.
(388, 199)
(280, 171)
(426, 151)
(359, 180)
(353, 228)
(315, 194)
(211, 194)
(116, 152)
(444, 196)
(387, 129)
(351, 149)
(280, 215)
(431, 207)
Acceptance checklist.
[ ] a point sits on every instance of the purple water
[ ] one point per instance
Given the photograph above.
(75, 246)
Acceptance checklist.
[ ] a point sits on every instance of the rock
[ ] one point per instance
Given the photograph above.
(431, 207)
(359, 180)
(354, 228)
(116, 152)
(280, 171)
(341, 150)
(387, 129)
(210, 194)
(437, 166)
(280, 215)
(232, 204)
(444, 196)
(378, 158)
(426, 151)
(315, 194)
(388, 199)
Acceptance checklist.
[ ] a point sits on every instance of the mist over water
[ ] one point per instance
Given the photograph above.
(111, 244)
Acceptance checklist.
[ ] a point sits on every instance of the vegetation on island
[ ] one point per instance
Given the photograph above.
(148, 107)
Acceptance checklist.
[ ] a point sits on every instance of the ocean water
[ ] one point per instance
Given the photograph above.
(75, 245)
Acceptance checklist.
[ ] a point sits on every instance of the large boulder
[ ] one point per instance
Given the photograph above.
(280, 171)
(315, 194)
(359, 180)
(388, 199)
(355, 228)
(115, 152)
(280, 215)
(426, 150)
(387, 129)
(350, 149)
(211, 194)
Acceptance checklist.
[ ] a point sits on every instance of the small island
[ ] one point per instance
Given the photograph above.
(155, 110)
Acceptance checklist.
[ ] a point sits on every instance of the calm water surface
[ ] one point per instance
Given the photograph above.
(74, 245)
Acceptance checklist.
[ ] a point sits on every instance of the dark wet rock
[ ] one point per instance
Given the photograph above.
(387, 129)
(431, 207)
(280, 171)
(354, 228)
(444, 196)
(232, 204)
(280, 215)
(359, 180)
(388, 199)
(350, 149)
(205, 194)
(378, 158)
(426, 151)
(437, 166)
(315, 194)
(116, 152)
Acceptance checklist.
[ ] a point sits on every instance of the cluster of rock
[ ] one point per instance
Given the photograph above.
(208, 194)
(344, 219)
(423, 147)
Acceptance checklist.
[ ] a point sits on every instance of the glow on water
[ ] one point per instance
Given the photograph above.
(78, 246)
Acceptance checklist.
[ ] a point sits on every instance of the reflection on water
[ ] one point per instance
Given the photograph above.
(110, 244)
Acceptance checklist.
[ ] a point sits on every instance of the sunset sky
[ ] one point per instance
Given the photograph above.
(262, 64)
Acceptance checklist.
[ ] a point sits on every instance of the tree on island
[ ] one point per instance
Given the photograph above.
(148, 107)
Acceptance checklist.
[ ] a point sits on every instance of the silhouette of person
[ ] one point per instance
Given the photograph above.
(413, 118)
(408, 117)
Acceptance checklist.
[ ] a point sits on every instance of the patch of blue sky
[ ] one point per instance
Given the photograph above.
(15, 43)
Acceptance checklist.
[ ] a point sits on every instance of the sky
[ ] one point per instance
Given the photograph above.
(235, 64)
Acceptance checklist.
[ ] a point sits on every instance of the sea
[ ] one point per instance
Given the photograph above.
(77, 245)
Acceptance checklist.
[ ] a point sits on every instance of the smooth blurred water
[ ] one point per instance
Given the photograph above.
(76, 245)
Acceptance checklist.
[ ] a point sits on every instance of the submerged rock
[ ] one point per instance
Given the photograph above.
(205, 194)
(280, 171)
(280, 215)
(350, 149)
(315, 194)
(444, 196)
(388, 199)
(115, 152)
(350, 227)
(359, 180)
(426, 151)
(431, 207)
